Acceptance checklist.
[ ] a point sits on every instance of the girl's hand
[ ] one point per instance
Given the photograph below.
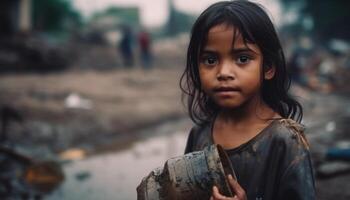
(239, 192)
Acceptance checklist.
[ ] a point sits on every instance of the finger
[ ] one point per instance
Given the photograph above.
(211, 198)
(217, 195)
(235, 198)
(240, 193)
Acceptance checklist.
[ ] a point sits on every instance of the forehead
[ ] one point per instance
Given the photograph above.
(222, 32)
(228, 36)
(222, 28)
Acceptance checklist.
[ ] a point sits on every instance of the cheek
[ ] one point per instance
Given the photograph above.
(207, 78)
(254, 85)
(204, 83)
(252, 80)
(203, 76)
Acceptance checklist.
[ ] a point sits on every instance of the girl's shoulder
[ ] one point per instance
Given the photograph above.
(201, 129)
(199, 137)
(290, 131)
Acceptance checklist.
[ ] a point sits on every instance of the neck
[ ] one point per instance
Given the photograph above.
(254, 112)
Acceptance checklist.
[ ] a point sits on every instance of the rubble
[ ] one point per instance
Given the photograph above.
(76, 101)
(22, 177)
(331, 169)
(23, 53)
(73, 154)
(82, 176)
(338, 154)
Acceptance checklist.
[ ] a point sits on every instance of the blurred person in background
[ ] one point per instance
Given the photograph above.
(144, 39)
(125, 46)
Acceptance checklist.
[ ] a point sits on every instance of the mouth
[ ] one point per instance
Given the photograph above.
(226, 89)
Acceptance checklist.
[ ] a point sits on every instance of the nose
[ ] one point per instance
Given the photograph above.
(225, 72)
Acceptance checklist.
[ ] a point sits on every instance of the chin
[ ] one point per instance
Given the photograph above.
(229, 105)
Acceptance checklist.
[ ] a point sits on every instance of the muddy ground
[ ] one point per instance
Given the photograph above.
(117, 102)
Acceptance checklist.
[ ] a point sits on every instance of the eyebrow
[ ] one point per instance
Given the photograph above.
(243, 49)
(233, 51)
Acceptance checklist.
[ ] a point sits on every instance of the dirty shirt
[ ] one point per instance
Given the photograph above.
(274, 165)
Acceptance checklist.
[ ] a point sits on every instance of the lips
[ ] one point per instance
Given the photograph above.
(223, 89)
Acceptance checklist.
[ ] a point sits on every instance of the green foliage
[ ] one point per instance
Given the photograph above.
(178, 21)
(54, 15)
(127, 15)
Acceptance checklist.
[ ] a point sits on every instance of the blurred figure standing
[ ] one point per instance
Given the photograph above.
(145, 49)
(125, 47)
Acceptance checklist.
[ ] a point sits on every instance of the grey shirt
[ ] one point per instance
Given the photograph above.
(275, 164)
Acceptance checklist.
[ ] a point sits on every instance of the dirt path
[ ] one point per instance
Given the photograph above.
(85, 108)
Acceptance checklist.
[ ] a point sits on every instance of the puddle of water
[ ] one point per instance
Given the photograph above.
(116, 175)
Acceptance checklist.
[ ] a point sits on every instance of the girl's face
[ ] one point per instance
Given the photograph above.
(230, 71)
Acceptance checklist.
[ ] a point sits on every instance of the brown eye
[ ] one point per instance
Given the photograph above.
(210, 60)
(243, 59)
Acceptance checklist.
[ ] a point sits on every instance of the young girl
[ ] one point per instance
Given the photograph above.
(237, 87)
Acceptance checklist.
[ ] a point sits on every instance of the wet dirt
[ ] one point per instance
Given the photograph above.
(116, 175)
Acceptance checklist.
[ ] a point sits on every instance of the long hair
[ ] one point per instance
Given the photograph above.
(255, 26)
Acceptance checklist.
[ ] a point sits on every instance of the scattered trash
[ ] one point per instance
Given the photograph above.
(44, 176)
(331, 169)
(21, 176)
(82, 176)
(331, 126)
(338, 154)
(76, 101)
(73, 154)
(32, 52)
(345, 144)
(8, 114)
(339, 45)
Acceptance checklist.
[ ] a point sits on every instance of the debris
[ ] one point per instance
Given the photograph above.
(344, 144)
(73, 154)
(339, 45)
(44, 176)
(76, 101)
(330, 169)
(338, 154)
(82, 176)
(331, 126)
(32, 53)
(21, 176)
(7, 115)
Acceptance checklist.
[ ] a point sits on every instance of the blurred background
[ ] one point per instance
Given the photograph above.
(90, 100)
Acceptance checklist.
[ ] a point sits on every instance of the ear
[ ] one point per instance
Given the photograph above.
(269, 73)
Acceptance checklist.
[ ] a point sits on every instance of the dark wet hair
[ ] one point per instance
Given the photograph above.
(255, 26)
